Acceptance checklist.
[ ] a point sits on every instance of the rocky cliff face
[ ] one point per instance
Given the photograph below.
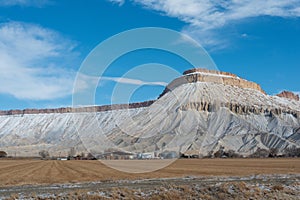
(212, 76)
(238, 109)
(202, 111)
(288, 95)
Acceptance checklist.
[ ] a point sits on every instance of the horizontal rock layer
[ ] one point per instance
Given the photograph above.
(75, 110)
(195, 70)
(237, 108)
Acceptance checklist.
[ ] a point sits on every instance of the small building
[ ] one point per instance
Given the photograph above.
(117, 155)
(169, 155)
(148, 155)
(62, 158)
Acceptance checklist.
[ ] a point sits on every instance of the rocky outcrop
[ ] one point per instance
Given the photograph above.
(289, 95)
(76, 110)
(238, 109)
(211, 76)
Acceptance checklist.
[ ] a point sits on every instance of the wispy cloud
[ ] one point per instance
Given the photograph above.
(86, 82)
(118, 2)
(32, 60)
(205, 17)
(34, 3)
(132, 81)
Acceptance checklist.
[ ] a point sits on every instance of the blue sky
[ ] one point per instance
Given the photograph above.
(44, 42)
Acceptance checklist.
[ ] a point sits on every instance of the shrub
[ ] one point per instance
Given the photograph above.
(260, 153)
(277, 187)
(273, 153)
(292, 152)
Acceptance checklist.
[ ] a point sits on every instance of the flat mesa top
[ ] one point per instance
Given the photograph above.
(213, 76)
(208, 72)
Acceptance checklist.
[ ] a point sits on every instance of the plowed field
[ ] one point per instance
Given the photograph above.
(21, 172)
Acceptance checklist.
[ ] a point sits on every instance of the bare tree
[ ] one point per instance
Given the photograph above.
(232, 154)
(90, 156)
(292, 152)
(260, 153)
(273, 152)
(72, 152)
(3, 154)
(44, 154)
(82, 155)
(219, 153)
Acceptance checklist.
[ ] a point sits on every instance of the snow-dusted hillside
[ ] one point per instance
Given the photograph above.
(195, 115)
(207, 129)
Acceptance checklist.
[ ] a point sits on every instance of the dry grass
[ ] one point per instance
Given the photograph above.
(19, 172)
(232, 190)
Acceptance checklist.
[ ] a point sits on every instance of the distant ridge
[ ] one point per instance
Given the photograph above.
(79, 109)
(189, 76)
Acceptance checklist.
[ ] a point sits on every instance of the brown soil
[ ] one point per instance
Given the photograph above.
(21, 172)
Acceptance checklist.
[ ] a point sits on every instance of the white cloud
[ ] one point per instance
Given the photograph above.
(132, 81)
(119, 2)
(32, 60)
(244, 35)
(86, 82)
(36, 3)
(204, 17)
